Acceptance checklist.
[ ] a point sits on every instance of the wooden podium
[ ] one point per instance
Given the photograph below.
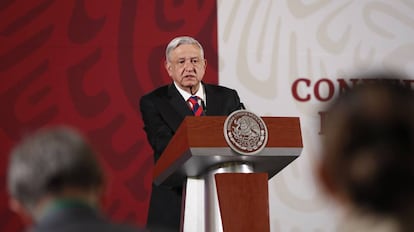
(235, 193)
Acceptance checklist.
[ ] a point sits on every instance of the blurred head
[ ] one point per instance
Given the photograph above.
(50, 164)
(185, 62)
(368, 149)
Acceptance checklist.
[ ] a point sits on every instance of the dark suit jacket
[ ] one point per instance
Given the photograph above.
(163, 110)
(78, 219)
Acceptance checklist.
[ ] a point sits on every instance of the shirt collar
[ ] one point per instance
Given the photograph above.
(200, 93)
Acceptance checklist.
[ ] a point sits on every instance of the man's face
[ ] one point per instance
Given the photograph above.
(186, 66)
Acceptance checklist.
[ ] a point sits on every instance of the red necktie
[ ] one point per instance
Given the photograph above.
(195, 107)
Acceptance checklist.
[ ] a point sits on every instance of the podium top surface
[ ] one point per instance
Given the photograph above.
(199, 145)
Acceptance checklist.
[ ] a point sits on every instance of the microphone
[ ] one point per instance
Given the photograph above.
(204, 107)
(241, 106)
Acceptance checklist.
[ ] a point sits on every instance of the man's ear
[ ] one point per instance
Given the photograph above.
(325, 179)
(15, 206)
(329, 185)
(19, 209)
(97, 196)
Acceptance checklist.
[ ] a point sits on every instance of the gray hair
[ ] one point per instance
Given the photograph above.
(48, 161)
(177, 41)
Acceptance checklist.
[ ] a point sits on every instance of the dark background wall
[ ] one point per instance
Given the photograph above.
(86, 64)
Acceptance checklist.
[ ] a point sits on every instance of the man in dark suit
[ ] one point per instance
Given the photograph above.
(55, 181)
(165, 108)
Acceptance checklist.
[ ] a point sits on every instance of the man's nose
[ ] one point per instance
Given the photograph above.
(188, 65)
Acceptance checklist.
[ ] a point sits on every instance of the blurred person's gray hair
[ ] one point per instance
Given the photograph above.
(47, 162)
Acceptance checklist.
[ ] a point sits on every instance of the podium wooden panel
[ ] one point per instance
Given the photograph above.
(199, 148)
(243, 200)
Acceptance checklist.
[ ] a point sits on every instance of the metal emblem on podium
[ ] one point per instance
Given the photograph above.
(245, 132)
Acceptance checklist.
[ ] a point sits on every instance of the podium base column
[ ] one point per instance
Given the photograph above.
(213, 221)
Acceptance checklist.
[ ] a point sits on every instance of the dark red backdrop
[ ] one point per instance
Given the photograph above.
(86, 64)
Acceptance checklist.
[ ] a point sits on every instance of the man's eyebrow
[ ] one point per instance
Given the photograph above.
(188, 57)
(193, 57)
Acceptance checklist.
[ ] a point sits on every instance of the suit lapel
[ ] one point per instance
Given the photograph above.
(213, 108)
(176, 109)
(177, 101)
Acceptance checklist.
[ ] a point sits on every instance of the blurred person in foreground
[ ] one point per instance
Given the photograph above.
(55, 183)
(165, 108)
(367, 163)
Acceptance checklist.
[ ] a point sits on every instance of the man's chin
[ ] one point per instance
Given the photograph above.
(190, 87)
(190, 83)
